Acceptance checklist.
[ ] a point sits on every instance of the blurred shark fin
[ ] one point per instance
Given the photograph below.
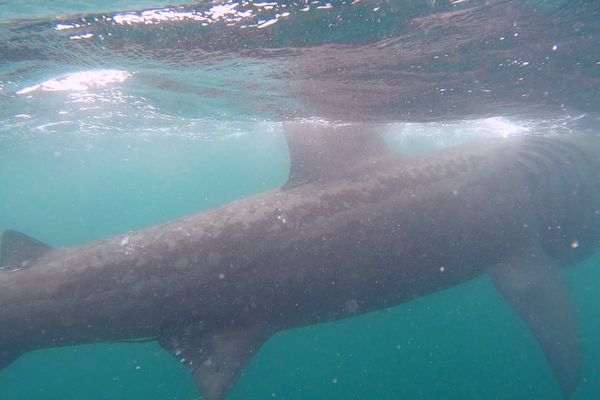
(323, 150)
(216, 359)
(535, 288)
(18, 250)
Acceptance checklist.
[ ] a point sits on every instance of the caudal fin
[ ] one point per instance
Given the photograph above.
(18, 250)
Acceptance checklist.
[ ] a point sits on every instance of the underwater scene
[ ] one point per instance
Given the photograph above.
(313, 199)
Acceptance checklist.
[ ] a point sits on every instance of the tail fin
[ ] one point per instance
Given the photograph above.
(18, 250)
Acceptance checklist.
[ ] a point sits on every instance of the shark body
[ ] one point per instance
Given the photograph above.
(355, 229)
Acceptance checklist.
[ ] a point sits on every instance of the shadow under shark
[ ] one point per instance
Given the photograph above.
(355, 229)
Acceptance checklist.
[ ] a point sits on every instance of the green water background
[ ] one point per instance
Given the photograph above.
(464, 343)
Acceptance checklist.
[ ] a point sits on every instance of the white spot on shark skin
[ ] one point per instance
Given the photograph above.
(221, 276)
(124, 241)
(281, 216)
(208, 362)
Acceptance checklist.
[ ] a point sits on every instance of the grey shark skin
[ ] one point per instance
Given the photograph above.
(356, 228)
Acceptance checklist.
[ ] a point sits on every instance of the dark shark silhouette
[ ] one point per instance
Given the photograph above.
(356, 228)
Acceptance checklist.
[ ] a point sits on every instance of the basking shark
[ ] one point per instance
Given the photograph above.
(356, 228)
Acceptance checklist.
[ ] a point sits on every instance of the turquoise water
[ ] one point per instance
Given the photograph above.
(156, 121)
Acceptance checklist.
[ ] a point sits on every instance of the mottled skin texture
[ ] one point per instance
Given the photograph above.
(385, 231)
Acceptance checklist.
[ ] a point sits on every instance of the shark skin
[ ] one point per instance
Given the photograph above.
(356, 228)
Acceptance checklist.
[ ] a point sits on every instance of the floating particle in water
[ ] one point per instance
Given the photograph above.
(442, 268)
(574, 244)
(334, 380)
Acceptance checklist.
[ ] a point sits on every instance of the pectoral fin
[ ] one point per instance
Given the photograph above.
(535, 288)
(217, 358)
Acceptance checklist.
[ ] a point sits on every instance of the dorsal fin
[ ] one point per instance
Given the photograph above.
(321, 150)
(216, 358)
(18, 250)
